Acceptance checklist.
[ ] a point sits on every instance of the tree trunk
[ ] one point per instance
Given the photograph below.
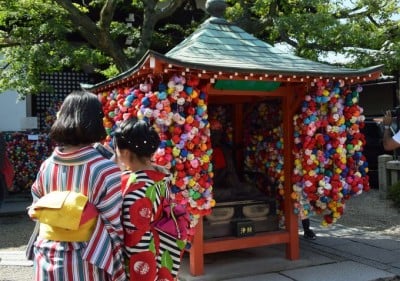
(147, 31)
(98, 35)
(115, 51)
(151, 16)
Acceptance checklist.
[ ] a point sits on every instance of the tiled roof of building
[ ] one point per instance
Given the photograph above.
(218, 44)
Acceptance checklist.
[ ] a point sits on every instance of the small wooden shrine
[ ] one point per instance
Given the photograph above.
(313, 153)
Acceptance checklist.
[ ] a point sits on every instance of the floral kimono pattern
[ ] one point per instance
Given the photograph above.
(150, 254)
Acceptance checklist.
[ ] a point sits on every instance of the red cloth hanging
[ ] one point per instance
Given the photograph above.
(8, 171)
(218, 158)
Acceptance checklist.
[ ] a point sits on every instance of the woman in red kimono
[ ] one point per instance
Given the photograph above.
(151, 254)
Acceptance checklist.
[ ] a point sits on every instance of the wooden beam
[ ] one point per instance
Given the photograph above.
(235, 243)
(201, 247)
(238, 99)
(280, 92)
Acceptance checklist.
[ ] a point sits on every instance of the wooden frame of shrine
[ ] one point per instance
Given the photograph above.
(221, 52)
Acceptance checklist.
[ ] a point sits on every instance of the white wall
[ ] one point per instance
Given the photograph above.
(12, 112)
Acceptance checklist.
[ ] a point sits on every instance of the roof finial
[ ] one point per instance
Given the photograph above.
(216, 8)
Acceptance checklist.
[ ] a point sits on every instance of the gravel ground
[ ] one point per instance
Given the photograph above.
(15, 232)
(366, 211)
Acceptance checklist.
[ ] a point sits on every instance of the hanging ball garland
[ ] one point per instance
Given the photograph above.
(313, 185)
(329, 165)
(51, 113)
(263, 140)
(356, 177)
(308, 150)
(177, 109)
(27, 155)
(222, 115)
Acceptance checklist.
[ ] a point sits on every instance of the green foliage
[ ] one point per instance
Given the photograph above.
(169, 35)
(394, 194)
(314, 27)
(45, 36)
(111, 71)
(35, 40)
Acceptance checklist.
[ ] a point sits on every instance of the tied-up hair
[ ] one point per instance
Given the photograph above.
(138, 136)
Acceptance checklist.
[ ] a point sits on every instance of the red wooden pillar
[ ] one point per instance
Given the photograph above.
(291, 220)
(197, 251)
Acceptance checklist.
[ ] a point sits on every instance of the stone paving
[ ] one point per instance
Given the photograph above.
(338, 254)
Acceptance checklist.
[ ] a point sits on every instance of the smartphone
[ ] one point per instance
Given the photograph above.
(103, 151)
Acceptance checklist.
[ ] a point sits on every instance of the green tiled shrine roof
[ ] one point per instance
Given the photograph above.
(219, 44)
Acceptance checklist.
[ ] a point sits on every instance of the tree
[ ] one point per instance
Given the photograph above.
(368, 31)
(44, 36)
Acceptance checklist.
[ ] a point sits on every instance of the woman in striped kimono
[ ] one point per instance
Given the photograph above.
(151, 254)
(80, 238)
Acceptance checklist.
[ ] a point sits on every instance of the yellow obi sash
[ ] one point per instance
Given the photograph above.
(65, 216)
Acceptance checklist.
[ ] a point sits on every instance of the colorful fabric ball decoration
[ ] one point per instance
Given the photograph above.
(178, 111)
(263, 141)
(329, 165)
(26, 151)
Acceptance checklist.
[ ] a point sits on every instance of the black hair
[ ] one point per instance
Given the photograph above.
(79, 121)
(138, 136)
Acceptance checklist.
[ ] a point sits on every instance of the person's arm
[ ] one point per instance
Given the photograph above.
(110, 203)
(389, 142)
